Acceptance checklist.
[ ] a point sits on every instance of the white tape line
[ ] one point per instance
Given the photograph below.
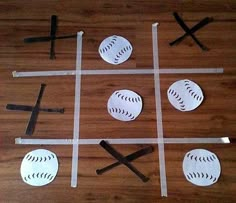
(119, 72)
(220, 140)
(159, 111)
(74, 170)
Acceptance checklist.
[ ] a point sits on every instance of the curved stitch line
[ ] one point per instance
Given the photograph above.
(191, 175)
(122, 111)
(39, 175)
(48, 176)
(179, 99)
(109, 45)
(120, 53)
(193, 94)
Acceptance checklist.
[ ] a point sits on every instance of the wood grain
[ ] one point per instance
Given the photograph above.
(131, 19)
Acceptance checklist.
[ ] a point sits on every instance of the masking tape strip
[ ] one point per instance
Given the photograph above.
(74, 169)
(161, 150)
(119, 72)
(220, 140)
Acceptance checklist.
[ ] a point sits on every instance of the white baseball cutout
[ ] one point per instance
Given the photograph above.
(201, 167)
(124, 105)
(115, 49)
(185, 95)
(39, 167)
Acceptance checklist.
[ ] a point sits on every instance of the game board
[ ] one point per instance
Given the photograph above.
(160, 139)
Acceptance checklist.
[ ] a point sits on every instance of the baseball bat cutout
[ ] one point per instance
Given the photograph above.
(47, 38)
(35, 112)
(115, 49)
(53, 35)
(51, 38)
(201, 167)
(129, 158)
(123, 160)
(17, 107)
(188, 31)
(195, 28)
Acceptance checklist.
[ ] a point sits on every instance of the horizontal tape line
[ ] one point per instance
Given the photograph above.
(220, 140)
(118, 72)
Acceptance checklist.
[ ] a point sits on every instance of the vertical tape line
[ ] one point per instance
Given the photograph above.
(159, 111)
(75, 153)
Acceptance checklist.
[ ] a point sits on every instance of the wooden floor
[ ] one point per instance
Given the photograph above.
(216, 117)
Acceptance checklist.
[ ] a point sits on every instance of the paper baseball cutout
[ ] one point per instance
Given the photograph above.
(185, 95)
(115, 49)
(124, 105)
(39, 167)
(201, 167)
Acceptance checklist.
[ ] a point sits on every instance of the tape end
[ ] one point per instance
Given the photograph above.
(14, 74)
(18, 140)
(80, 33)
(155, 24)
(220, 70)
(225, 139)
(74, 185)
